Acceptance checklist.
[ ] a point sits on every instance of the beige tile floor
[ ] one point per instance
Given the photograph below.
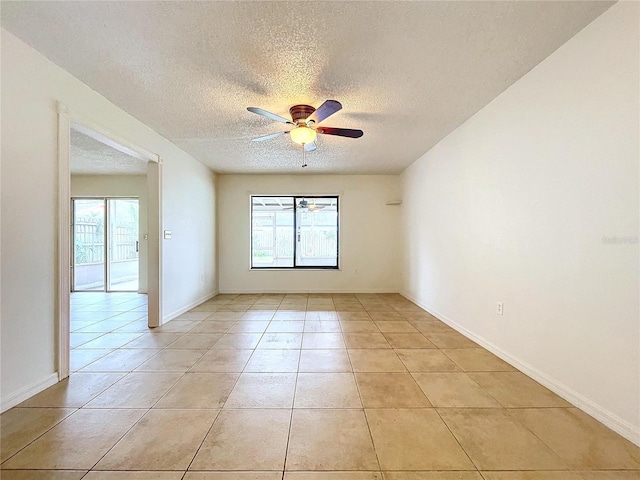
(296, 387)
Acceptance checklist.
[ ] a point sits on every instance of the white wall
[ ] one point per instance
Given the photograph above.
(189, 258)
(120, 186)
(31, 86)
(514, 205)
(369, 234)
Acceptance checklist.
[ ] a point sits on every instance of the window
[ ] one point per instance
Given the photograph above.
(294, 232)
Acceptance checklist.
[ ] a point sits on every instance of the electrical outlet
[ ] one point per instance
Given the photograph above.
(500, 308)
(202, 277)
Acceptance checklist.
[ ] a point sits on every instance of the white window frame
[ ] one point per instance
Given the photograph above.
(295, 267)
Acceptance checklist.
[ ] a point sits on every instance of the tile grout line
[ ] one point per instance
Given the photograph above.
(552, 450)
(293, 403)
(442, 420)
(120, 438)
(501, 407)
(124, 324)
(364, 412)
(147, 410)
(456, 439)
(212, 347)
(76, 409)
(218, 413)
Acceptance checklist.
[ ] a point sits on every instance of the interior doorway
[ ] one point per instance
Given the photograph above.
(103, 174)
(108, 303)
(106, 244)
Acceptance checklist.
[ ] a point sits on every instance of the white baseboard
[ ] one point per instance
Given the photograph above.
(28, 391)
(188, 307)
(604, 416)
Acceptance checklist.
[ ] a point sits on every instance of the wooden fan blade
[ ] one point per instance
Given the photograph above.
(341, 132)
(268, 137)
(325, 110)
(270, 115)
(310, 147)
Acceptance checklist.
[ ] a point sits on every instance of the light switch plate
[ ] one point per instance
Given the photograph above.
(167, 234)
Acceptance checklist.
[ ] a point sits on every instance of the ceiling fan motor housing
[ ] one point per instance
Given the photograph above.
(301, 112)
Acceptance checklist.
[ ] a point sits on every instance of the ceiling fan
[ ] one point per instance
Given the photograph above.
(305, 120)
(304, 204)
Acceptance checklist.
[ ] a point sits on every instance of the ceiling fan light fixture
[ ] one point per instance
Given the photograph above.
(304, 119)
(303, 135)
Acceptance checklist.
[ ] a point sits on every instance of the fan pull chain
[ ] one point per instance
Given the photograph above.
(304, 157)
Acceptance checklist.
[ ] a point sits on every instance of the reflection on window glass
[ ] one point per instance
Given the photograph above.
(271, 232)
(294, 232)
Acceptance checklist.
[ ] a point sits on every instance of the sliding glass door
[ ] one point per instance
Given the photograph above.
(89, 220)
(317, 232)
(294, 231)
(105, 244)
(122, 238)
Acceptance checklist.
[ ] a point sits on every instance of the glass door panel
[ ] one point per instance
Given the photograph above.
(271, 232)
(88, 244)
(123, 244)
(316, 232)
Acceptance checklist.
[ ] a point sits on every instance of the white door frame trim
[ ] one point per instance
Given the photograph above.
(66, 121)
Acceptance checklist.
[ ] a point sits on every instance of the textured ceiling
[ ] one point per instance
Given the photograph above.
(91, 157)
(407, 73)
